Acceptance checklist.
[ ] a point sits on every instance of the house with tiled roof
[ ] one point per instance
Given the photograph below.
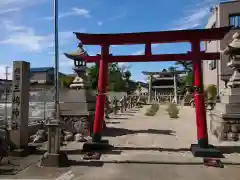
(40, 77)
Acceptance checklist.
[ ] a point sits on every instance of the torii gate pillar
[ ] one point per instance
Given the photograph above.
(202, 149)
(150, 89)
(97, 143)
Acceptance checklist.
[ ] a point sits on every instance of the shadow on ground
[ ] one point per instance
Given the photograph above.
(86, 163)
(114, 132)
(109, 122)
(119, 118)
(100, 163)
(80, 152)
(223, 149)
(13, 165)
(126, 114)
(229, 149)
(122, 148)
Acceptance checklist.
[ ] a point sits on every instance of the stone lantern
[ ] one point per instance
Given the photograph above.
(225, 118)
(79, 68)
(233, 50)
(79, 113)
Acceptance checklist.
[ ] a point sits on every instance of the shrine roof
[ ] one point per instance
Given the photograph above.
(75, 56)
(153, 37)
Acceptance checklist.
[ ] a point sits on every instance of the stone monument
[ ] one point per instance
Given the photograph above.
(20, 106)
(225, 119)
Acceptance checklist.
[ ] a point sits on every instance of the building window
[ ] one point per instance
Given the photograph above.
(234, 20)
(212, 64)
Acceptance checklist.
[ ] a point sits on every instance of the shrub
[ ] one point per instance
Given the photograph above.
(152, 110)
(212, 91)
(172, 110)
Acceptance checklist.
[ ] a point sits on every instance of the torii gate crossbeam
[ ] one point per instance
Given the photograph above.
(196, 56)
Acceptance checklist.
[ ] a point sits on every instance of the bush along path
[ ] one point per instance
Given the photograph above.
(152, 110)
(172, 110)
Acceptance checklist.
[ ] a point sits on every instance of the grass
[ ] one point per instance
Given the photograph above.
(152, 110)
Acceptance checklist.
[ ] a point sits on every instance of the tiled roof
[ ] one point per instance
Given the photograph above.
(41, 69)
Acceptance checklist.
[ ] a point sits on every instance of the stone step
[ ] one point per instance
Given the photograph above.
(233, 99)
(228, 108)
(230, 91)
(223, 115)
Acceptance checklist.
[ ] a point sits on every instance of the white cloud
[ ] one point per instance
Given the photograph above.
(142, 51)
(119, 16)
(14, 4)
(100, 23)
(27, 38)
(74, 12)
(193, 19)
(139, 52)
(195, 15)
(10, 10)
(9, 26)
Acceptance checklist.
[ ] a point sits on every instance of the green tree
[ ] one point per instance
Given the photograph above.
(117, 79)
(92, 73)
(187, 65)
(171, 69)
(188, 78)
(65, 81)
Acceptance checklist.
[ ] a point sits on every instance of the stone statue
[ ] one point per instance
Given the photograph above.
(107, 108)
(115, 105)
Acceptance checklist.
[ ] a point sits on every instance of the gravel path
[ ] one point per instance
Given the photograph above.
(145, 148)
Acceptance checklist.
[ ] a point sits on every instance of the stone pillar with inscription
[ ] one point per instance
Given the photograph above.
(20, 105)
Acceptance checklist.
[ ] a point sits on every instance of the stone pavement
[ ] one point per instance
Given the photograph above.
(145, 148)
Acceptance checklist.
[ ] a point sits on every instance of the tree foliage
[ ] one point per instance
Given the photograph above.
(118, 79)
(187, 65)
(66, 81)
(171, 69)
(187, 80)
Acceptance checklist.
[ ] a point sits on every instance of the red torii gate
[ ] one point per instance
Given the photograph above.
(196, 56)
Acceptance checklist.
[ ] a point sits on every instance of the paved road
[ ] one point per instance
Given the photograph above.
(145, 148)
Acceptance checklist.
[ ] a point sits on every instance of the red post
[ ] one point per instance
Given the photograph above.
(201, 121)
(101, 96)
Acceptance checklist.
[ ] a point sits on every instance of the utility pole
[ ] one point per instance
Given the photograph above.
(6, 95)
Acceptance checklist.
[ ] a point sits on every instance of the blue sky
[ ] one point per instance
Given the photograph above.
(27, 27)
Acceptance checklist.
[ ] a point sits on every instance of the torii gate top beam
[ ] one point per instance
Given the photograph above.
(153, 37)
